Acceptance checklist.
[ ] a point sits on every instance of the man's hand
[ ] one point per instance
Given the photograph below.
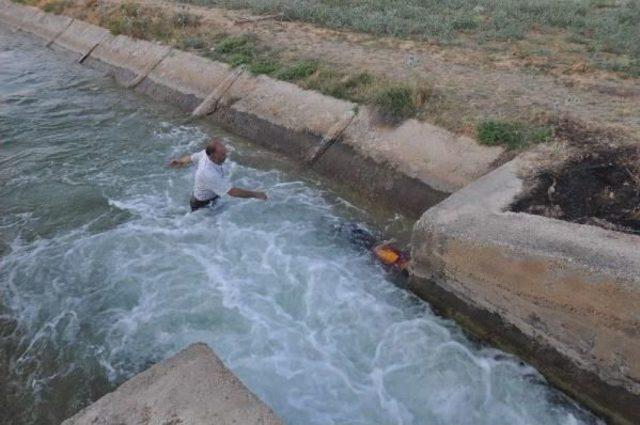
(180, 162)
(236, 192)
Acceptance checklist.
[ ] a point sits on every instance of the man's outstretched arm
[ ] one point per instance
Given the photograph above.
(180, 162)
(236, 192)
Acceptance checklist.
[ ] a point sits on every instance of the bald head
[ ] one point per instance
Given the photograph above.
(216, 151)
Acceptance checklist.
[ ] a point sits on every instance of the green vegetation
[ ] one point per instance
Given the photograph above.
(603, 26)
(512, 135)
(358, 88)
(241, 44)
(297, 71)
(264, 66)
(193, 43)
(56, 6)
(397, 101)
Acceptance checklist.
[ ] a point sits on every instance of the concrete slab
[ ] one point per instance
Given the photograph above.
(444, 161)
(280, 115)
(46, 25)
(17, 15)
(191, 388)
(573, 288)
(184, 79)
(82, 37)
(189, 73)
(129, 58)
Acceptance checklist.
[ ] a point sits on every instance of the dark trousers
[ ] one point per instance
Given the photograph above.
(196, 204)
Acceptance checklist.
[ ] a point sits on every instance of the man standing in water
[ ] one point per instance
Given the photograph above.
(212, 177)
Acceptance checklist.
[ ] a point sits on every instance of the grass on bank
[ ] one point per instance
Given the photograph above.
(512, 135)
(394, 101)
(603, 27)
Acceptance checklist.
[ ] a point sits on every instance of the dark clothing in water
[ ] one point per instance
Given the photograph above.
(197, 204)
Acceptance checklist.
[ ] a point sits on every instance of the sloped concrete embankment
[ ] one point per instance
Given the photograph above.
(191, 388)
(407, 168)
(564, 296)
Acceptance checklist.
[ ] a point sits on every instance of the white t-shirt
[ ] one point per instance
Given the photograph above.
(211, 179)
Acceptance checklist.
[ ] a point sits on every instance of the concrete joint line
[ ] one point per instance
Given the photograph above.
(331, 137)
(147, 69)
(86, 55)
(55, 37)
(210, 103)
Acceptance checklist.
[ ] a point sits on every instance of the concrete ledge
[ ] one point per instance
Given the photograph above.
(191, 388)
(129, 58)
(82, 37)
(184, 79)
(408, 194)
(574, 289)
(292, 120)
(46, 25)
(17, 15)
(444, 161)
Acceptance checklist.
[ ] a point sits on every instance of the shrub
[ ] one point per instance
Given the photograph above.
(512, 135)
(183, 20)
(196, 43)
(56, 6)
(495, 133)
(236, 44)
(395, 101)
(264, 66)
(298, 71)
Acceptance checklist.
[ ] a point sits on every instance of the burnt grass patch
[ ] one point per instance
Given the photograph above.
(599, 187)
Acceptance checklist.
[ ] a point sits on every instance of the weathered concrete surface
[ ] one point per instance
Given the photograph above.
(130, 58)
(401, 192)
(16, 15)
(444, 161)
(46, 25)
(573, 288)
(184, 79)
(191, 388)
(211, 102)
(280, 114)
(81, 37)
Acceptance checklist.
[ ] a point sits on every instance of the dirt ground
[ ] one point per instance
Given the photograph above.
(470, 84)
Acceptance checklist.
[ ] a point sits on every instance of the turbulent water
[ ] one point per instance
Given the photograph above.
(103, 271)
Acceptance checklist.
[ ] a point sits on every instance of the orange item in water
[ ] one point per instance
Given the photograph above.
(387, 255)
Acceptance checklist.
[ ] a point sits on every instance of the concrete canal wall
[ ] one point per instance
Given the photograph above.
(563, 296)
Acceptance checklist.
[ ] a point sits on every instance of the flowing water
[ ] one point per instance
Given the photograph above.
(103, 271)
